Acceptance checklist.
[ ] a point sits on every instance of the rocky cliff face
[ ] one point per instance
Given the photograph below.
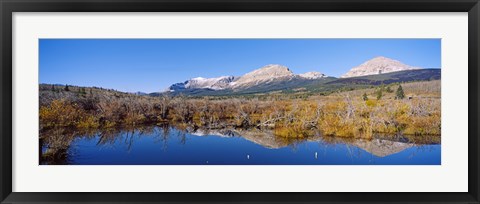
(378, 65)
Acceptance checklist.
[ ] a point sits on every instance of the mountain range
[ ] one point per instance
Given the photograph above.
(265, 75)
(276, 77)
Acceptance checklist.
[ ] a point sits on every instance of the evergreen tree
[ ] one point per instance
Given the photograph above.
(379, 94)
(365, 97)
(389, 90)
(382, 87)
(53, 87)
(66, 88)
(400, 93)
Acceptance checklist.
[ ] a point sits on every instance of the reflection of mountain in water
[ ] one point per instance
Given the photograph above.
(263, 137)
(383, 145)
(380, 146)
(219, 132)
(54, 145)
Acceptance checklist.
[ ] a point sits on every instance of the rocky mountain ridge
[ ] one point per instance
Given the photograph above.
(263, 75)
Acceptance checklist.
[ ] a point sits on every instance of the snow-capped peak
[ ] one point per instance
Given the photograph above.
(209, 83)
(312, 75)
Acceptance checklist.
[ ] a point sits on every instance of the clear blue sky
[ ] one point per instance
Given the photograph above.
(151, 65)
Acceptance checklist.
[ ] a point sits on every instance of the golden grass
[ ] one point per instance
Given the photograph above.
(344, 114)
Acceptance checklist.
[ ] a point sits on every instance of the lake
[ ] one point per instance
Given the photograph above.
(166, 145)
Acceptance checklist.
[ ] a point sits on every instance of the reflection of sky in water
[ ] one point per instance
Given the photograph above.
(178, 148)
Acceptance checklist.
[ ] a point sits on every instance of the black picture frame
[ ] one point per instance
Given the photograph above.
(7, 7)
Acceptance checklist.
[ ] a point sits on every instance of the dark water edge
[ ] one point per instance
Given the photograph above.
(167, 145)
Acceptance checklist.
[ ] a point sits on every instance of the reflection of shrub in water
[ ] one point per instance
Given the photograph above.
(55, 144)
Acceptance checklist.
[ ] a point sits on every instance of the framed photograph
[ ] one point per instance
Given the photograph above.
(240, 101)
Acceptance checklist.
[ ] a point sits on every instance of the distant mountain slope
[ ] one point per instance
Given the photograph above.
(378, 65)
(393, 77)
(291, 84)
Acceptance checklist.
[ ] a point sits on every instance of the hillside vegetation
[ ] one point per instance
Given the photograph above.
(343, 113)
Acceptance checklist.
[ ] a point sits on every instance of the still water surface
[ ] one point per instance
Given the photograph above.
(171, 146)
